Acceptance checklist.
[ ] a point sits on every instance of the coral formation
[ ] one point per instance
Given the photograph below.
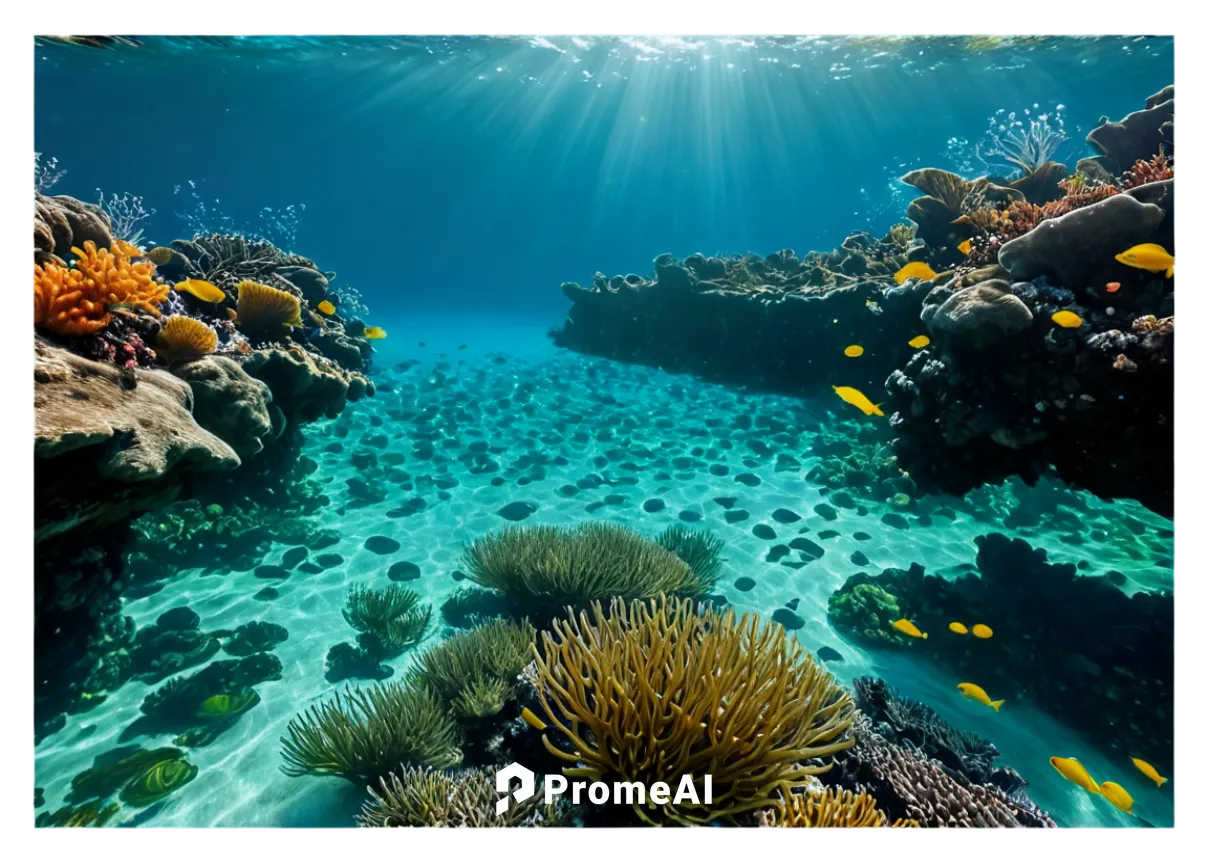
(77, 301)
(1113, 649)
(184, 338)
(486, 659)
(265, 310)
(832, 808)
(61, 222)
(545, 569)
(421, 797)
(726, 696)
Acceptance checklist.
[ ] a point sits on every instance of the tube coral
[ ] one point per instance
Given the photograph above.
(658, 690)
(76, 301)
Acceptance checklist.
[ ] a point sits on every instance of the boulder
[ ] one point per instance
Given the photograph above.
(1137, 136)
(229, 403)
(61, 222)
(980, 316)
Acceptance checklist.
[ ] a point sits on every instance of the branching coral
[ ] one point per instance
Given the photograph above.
(657, 690)
(465, 669)
(362, 735)
(834, 808)
(262, 308)
(77, 301)
(420, 797)
(185, 338)
(1148, 171)
(548, 568)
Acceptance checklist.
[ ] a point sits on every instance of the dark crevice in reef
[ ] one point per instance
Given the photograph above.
(1003, 388)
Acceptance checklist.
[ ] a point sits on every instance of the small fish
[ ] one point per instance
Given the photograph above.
(958, 627)
(1118, 795)
(1148, 256)
(914, 270)
(919, 342)
(1148, 770)
(872, 307)
(1066, 318)
(375, 333)
(853, 350)
(981, 631)
(1113, 287)
(327, 307)
(977, 694)
(852, 396)
(966, 247)
(160, 255)
(232, 314)
(908, 628)
(205, 291)
(533, 720)
(1071, 769)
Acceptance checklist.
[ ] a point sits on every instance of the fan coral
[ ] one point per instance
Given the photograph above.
(493, 652)
(362, 735)
(834, 808)
(1151, 171)
(76, 301)
(421, 797)
(549, 568)
(185, 338)
(657, 689)
(263, 308)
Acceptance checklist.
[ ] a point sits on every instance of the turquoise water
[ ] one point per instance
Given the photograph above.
(456, 186)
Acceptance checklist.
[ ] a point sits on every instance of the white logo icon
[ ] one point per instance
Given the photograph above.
(503, 782)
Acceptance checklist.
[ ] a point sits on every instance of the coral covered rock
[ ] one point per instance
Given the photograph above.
(229, 402)
(103, 434)
(979, 317)
(61, 222)
(1140, 135)
(305, 387)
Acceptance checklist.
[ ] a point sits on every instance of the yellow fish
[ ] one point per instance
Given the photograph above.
(207, 292)
(852, 396)
(1066, 318)
(1117, 794)
(1071, 769)
(160, 255)
(977, 694)
(1148, 256)
(908, 628)
(966, 247)
(853, 350)
(533, 720)
(958, 627)
(375, 333)
(919, 342)
(327, 308)
(981, 631)
(1148, 770)
(914, 270)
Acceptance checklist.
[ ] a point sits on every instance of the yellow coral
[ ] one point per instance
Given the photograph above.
(262, 307)
(77, 301)
(183, 338)
(830, 809)
(658, 689)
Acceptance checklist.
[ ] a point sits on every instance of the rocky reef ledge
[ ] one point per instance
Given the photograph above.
(163, 377)
(1008, 333)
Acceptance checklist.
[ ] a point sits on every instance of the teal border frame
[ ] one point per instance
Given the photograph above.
(1186, 18)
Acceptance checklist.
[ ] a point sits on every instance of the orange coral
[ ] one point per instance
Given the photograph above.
(182, 338)
(1148, 171)
(76, 301)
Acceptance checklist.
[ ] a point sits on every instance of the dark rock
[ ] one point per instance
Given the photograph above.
(785, 517)
(267, 593)
(744, 583)
(859, 559)
(827, 512)
(788, 619)
(763, 532)
(380, 545)
(403, 571)
(748, 479)
(654, 505)
(895, 520)
(689, 516)
(329, 559)
(291, 558)
(777, 552)
(726, 501)
(733, 516)
(829, 655)
(271, 571)
(517, 511)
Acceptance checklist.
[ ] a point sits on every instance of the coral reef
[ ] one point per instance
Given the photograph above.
(749, 705)
(61, 222)
(1056, 633)
(829, 809)
(421, 797)
(77, 301)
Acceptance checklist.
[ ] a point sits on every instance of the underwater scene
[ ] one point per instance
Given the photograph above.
(604, 431)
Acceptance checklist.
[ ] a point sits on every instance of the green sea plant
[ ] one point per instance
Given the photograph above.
(90, 814)
(660, 688)
(475, 670)
(700, 550)
(469, 607)
(112, 770)
(542, 569)
(421, 797)
(369, 609)
(362, 735)
(158, 782)
(865, 609)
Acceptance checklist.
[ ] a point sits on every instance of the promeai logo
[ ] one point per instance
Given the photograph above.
(599, 792)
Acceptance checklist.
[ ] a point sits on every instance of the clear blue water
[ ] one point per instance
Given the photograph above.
(455, 183)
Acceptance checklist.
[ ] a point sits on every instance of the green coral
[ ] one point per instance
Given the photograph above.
(362, 735)
(700, 550)
(420, 797)
(542, 569)
(468, 669)
(864, 609)
(390, 620)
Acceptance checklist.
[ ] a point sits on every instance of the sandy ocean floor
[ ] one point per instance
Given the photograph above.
(578, 438)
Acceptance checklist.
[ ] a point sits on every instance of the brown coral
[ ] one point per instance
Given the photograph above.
(834, 808)
(658, 690)
(77, 301)
(264, 308)
(185, 338)
(1148, 171)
